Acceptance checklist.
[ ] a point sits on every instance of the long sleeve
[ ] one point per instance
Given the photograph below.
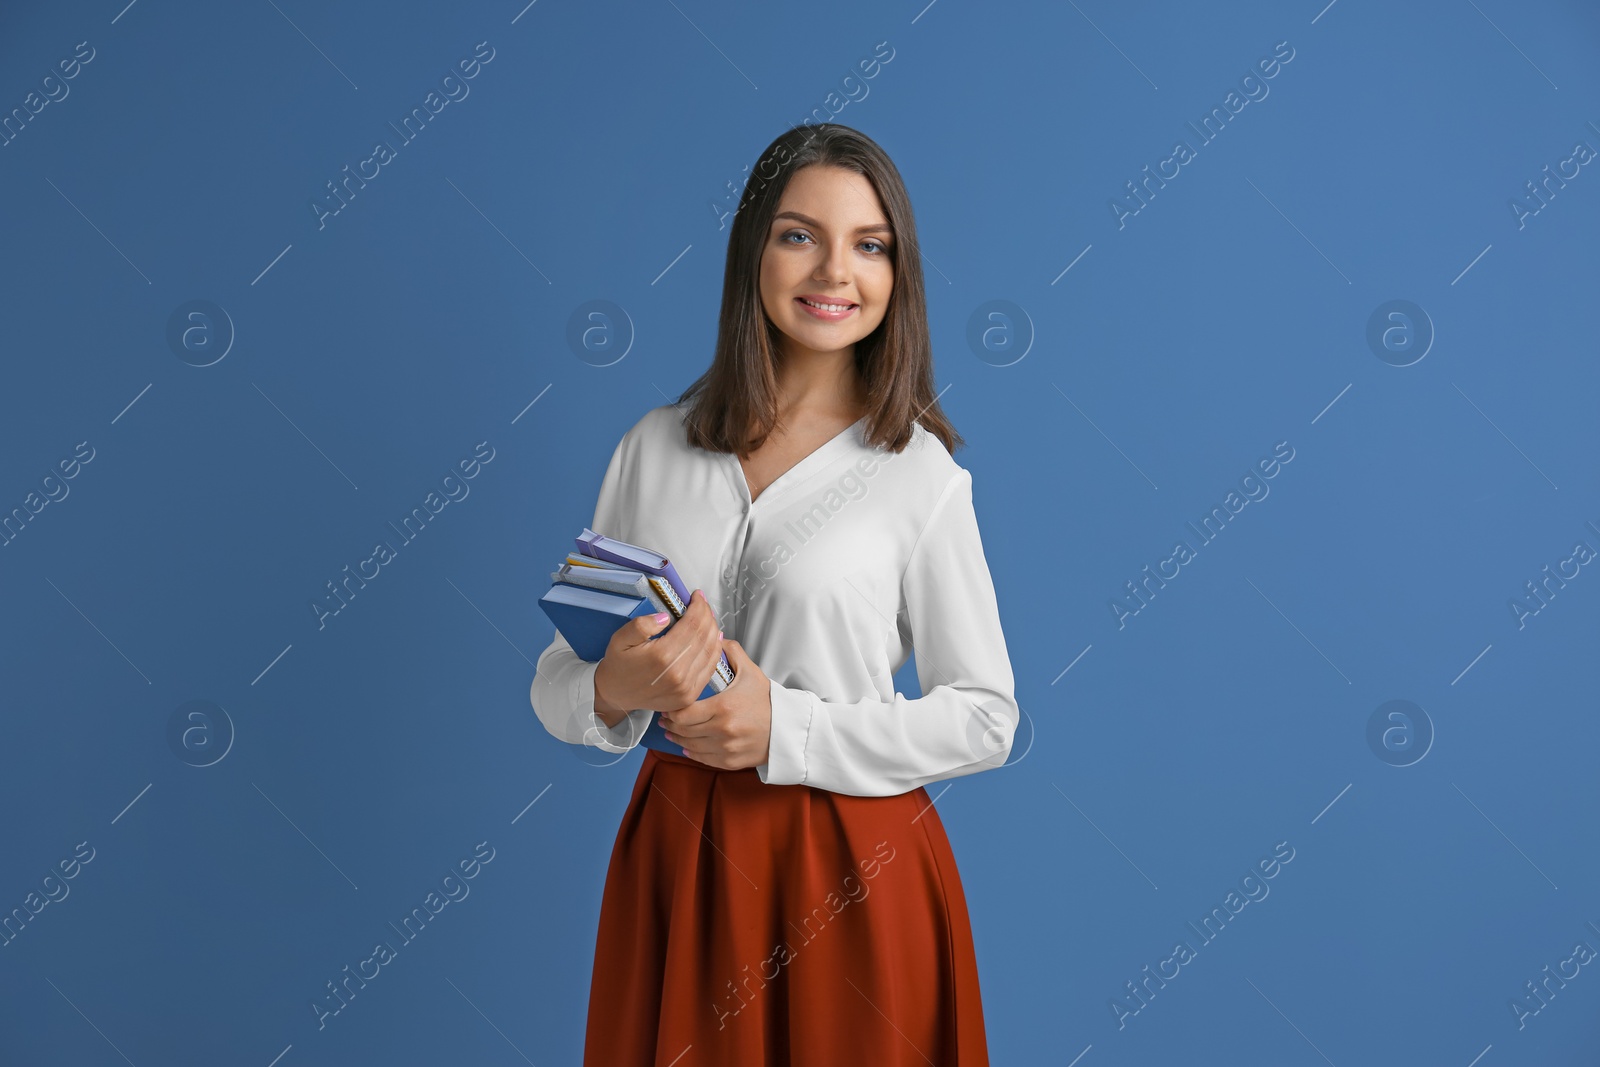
(563, 684)
(964, 721)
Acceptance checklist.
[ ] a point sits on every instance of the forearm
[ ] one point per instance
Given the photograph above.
(880, 748)
(563, 697)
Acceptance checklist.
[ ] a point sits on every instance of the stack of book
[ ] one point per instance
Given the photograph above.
(602, 586)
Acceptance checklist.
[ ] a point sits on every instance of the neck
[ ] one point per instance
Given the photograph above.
(821, 383)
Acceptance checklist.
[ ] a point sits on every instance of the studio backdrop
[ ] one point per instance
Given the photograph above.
(1270, 331)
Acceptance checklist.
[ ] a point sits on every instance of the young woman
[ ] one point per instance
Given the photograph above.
(781, 890)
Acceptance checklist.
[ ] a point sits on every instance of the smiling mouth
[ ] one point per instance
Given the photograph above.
(834, 307)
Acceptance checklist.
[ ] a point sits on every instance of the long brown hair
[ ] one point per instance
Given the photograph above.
(895, 361)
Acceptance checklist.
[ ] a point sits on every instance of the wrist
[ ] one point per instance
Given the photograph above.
(608, 712)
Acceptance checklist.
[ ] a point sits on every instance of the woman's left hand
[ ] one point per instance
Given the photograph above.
(731, 730)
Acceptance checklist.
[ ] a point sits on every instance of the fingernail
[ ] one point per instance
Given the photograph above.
(719, 635)
(662, 616)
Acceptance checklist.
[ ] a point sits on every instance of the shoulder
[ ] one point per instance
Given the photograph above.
(657, 430)
(927, 461)
(658, 424)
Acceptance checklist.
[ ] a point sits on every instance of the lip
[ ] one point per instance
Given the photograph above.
(826, 316)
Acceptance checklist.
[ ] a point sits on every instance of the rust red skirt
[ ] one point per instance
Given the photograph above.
(753, 924)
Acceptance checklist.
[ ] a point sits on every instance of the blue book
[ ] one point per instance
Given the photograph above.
(608, 551)
(588, 618)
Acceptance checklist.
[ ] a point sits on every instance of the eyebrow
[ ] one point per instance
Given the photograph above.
(871, 227)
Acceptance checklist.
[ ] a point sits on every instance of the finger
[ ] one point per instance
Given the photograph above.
(674, 650)
(691, 717)
(738, 658)
(699, 597)
(679, 730)
(710, 656)
(642, 628)
(700, 616)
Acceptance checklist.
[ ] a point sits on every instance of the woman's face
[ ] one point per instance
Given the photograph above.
(829, 244)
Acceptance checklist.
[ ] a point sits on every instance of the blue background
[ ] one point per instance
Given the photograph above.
(592, 160)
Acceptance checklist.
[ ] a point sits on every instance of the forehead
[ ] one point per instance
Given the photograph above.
(837, 198)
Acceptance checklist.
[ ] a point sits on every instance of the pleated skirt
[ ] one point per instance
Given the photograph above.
(752, 924)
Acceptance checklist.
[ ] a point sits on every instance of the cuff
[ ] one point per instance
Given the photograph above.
(791, 724)
(619, 738)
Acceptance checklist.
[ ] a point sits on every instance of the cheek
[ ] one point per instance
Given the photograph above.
(879, 288)
(771, 283)
(777, 274)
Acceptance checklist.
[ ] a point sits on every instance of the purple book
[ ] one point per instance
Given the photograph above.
(610, 550)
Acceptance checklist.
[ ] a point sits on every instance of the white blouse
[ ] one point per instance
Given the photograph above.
(826, 580)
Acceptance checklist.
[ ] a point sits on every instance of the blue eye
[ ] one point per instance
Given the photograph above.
(877, 248)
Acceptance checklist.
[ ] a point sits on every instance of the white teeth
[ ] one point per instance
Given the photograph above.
(827, 307)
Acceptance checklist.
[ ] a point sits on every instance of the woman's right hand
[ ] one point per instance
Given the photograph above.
(664, 674)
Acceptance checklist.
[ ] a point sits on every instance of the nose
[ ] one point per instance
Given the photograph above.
(833, 265)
